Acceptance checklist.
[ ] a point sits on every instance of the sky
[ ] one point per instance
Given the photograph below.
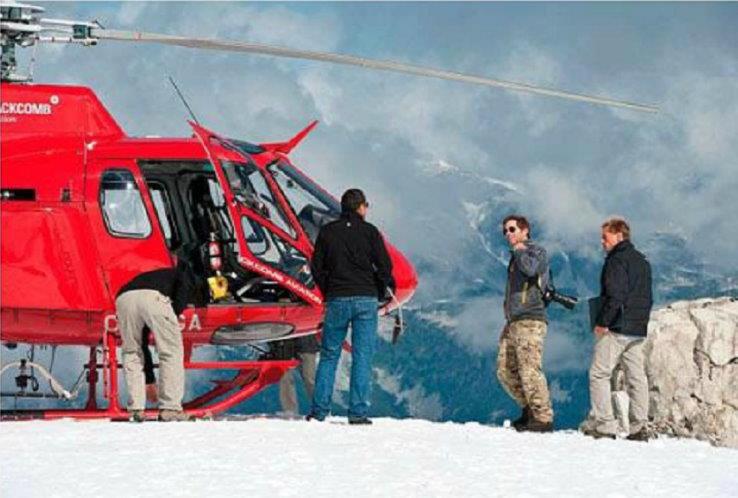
(429, 153)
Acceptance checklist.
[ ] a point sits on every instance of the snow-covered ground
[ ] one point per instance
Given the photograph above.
(278, 457)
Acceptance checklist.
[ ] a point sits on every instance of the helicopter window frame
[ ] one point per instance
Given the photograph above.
(276, 245)
(257, 189)
(328, 204)
(174, 240)
(105, 213)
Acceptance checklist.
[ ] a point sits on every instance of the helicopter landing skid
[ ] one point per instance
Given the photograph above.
(251, 377)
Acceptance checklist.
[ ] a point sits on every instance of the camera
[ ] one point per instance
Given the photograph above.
(568, 302)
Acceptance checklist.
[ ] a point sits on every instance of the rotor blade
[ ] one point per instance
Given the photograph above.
(235, 46)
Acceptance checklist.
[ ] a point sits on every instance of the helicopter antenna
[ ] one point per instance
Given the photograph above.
(184, 101)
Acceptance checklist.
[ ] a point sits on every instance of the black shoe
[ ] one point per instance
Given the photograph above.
(534, 425)
(311, 416)
(642, 436)
(137, 416)
(523, 419)
(360, 421)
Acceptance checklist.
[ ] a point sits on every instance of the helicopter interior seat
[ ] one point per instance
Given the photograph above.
(312, 219)
(207, 219)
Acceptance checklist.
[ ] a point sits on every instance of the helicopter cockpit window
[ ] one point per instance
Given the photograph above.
(251, 189)
(275, 252)
(163, 207)
(313, 207)
(122, 206)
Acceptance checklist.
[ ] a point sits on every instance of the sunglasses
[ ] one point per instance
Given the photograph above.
(510, 229)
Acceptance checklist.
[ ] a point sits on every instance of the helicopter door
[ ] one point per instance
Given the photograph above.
(266, 239)
(124, 222)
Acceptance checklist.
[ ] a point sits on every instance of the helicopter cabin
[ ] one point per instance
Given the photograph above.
(86, 208)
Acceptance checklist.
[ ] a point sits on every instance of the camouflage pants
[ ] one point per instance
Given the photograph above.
(519, 366)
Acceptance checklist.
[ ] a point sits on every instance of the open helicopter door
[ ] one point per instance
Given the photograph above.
(269, 242)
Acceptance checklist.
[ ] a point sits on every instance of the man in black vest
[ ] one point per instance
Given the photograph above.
(620, 332)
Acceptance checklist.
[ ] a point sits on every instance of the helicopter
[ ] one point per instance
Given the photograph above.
(86, 208)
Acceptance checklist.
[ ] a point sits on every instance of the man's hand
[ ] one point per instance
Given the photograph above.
(152, 393)
(600, 331)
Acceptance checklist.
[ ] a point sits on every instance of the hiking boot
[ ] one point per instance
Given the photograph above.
(174, 416)
(523, 419)
(137, 416)
(360, 421)
(641, 435)
(535, 425)
(595, 434)
(313, 416)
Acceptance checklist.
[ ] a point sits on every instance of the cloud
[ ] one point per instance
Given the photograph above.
(419, 403)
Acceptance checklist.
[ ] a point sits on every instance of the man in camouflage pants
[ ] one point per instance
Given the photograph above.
(520, 357)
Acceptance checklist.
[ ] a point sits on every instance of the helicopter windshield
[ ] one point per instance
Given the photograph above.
(272, 250)
(251, 189)
(313, 207)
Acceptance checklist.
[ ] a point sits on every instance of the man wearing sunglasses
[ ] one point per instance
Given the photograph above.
(353, 270)
(520, 356)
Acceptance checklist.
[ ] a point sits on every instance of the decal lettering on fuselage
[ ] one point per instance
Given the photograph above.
(9, 111)
(110, 323)
(280, 279)
(25, 108)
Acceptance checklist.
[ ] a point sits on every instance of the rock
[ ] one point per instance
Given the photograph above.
(692, 365)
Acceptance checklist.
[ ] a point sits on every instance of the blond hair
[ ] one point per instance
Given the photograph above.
(617, 225)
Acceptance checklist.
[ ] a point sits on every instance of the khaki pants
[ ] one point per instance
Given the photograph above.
(611, 349)
(135, 309)
(520, 367)
(287, 392)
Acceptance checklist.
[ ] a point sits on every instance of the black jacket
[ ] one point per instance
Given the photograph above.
(350, 259)
(178, 284)
(625, 291)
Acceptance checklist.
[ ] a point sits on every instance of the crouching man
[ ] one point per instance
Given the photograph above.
(520, 357)
(154, 299)
(620, 332)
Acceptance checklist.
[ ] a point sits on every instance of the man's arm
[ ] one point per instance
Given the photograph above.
(317, 264)
(382, 261)
(615, 292)
(530, 260)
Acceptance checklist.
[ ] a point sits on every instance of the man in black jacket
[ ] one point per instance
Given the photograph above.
(620, 332)
(352, 269)
(154, 299)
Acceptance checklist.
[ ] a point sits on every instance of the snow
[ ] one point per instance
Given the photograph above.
(280, 457)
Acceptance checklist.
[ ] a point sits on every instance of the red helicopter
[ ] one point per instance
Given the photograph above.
(85, 208)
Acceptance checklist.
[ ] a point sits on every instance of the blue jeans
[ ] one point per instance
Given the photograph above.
(361, 313)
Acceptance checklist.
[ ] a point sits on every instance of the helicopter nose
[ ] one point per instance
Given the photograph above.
(406, 279)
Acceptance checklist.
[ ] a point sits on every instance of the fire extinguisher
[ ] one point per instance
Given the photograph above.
(218, 283)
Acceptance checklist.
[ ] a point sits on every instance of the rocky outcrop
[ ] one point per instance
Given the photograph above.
(692, 365)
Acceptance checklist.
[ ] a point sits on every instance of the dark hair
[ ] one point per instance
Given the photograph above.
(351, 200)
(519, 220)
(617, 225)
